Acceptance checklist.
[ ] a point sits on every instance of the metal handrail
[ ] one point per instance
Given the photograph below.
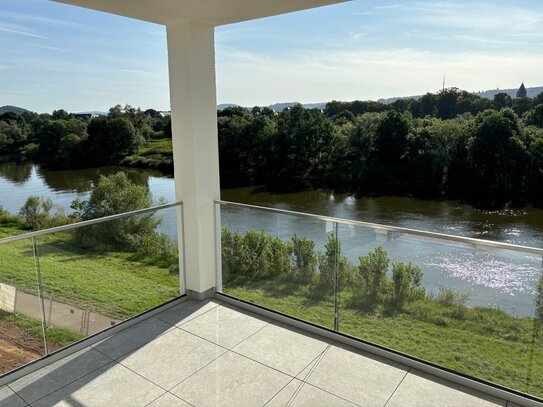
(77, 225)
(378, 226)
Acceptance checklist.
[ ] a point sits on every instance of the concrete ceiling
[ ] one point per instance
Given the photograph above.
(214, 12)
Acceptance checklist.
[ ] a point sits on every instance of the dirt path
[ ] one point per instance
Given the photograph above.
(18, 346)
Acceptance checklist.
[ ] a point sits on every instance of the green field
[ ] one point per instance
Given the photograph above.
(156, 154)
(484, 343)
(110, 283)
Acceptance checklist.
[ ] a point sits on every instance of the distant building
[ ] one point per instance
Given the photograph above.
(521, 92)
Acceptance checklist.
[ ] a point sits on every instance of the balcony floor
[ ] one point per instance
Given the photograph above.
(211, 354)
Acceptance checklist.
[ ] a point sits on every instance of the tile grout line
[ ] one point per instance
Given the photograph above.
(141, 346)
(294, 378)
(303, 382)
(111, 362)
(18, 395)
(397, 387)
(192, 319)
(173, 395)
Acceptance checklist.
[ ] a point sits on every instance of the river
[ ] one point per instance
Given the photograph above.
(506, 280)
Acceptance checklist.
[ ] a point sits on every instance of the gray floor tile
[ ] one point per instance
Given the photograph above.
(9, 399)
(111, 385)
(356, 376)
(298, 393)
(421, 390)
(282, 348)
(225, 326)
(58, 374)
(232, 380)
(172, 357)
(169, 400)
(186, 311)
(132, 338)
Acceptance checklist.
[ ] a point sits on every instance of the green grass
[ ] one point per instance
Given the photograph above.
(157, 154)
(55, 335)
(110, 283)
(484, 343)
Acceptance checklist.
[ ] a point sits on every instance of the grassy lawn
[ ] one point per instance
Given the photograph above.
(110, 283)
(484, 343)
(157, 154)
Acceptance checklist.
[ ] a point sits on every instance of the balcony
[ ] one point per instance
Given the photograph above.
(279, 330)
(228, 304)
(211, 353)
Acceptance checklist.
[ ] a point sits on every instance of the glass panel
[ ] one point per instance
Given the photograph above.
(465, 307)
(21, 329)
(98, 275)
(280, 262)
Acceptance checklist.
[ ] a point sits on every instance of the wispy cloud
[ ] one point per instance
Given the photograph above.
(249, 78)
(32, 18)
(19, 30)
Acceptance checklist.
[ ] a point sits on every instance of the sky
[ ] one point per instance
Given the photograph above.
(57, 56)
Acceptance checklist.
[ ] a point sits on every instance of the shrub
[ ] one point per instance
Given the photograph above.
(406, 283)
(36, 212)
(157, 249)
(112, 195)
(372, 271)
(449, 297)
(304, 258)
(7, 218)
(333, 261)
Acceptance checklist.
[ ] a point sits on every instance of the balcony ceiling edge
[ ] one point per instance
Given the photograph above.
(213, 12)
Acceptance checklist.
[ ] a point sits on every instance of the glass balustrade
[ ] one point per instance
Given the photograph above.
(61, 285)
(471, 306)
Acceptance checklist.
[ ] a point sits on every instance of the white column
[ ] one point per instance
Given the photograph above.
(191, 58)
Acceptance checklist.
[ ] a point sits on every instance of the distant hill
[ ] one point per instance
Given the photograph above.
(94, 112)
(488, 94)
(278, 107)
(12, 109)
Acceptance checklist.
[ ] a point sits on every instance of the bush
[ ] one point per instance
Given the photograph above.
(371, 272)
(449, 297)
(36, 212)
(330, 262)
(112, 195)
(304, 258)
(157, 249)
(254, 255)
(406, 283)
(7, 218)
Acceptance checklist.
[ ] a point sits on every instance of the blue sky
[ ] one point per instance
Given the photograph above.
(57, 56)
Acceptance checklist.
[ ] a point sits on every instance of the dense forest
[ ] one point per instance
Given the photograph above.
(452, 144)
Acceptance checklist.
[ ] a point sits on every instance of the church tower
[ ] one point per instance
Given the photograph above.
(521, 92)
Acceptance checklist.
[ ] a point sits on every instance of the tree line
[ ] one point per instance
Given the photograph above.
(64, 140)
(452, 144)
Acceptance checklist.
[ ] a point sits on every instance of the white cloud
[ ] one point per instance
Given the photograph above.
(31, 18)
(250, 79)
(20, 30)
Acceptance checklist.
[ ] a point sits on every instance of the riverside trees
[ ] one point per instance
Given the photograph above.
(452, 144)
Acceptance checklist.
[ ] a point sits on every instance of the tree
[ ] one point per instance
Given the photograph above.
(498, 158)
(111, 139)
(502, 100)
(391, 138)
(112, 195)
(535, 116)
(36, 212)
